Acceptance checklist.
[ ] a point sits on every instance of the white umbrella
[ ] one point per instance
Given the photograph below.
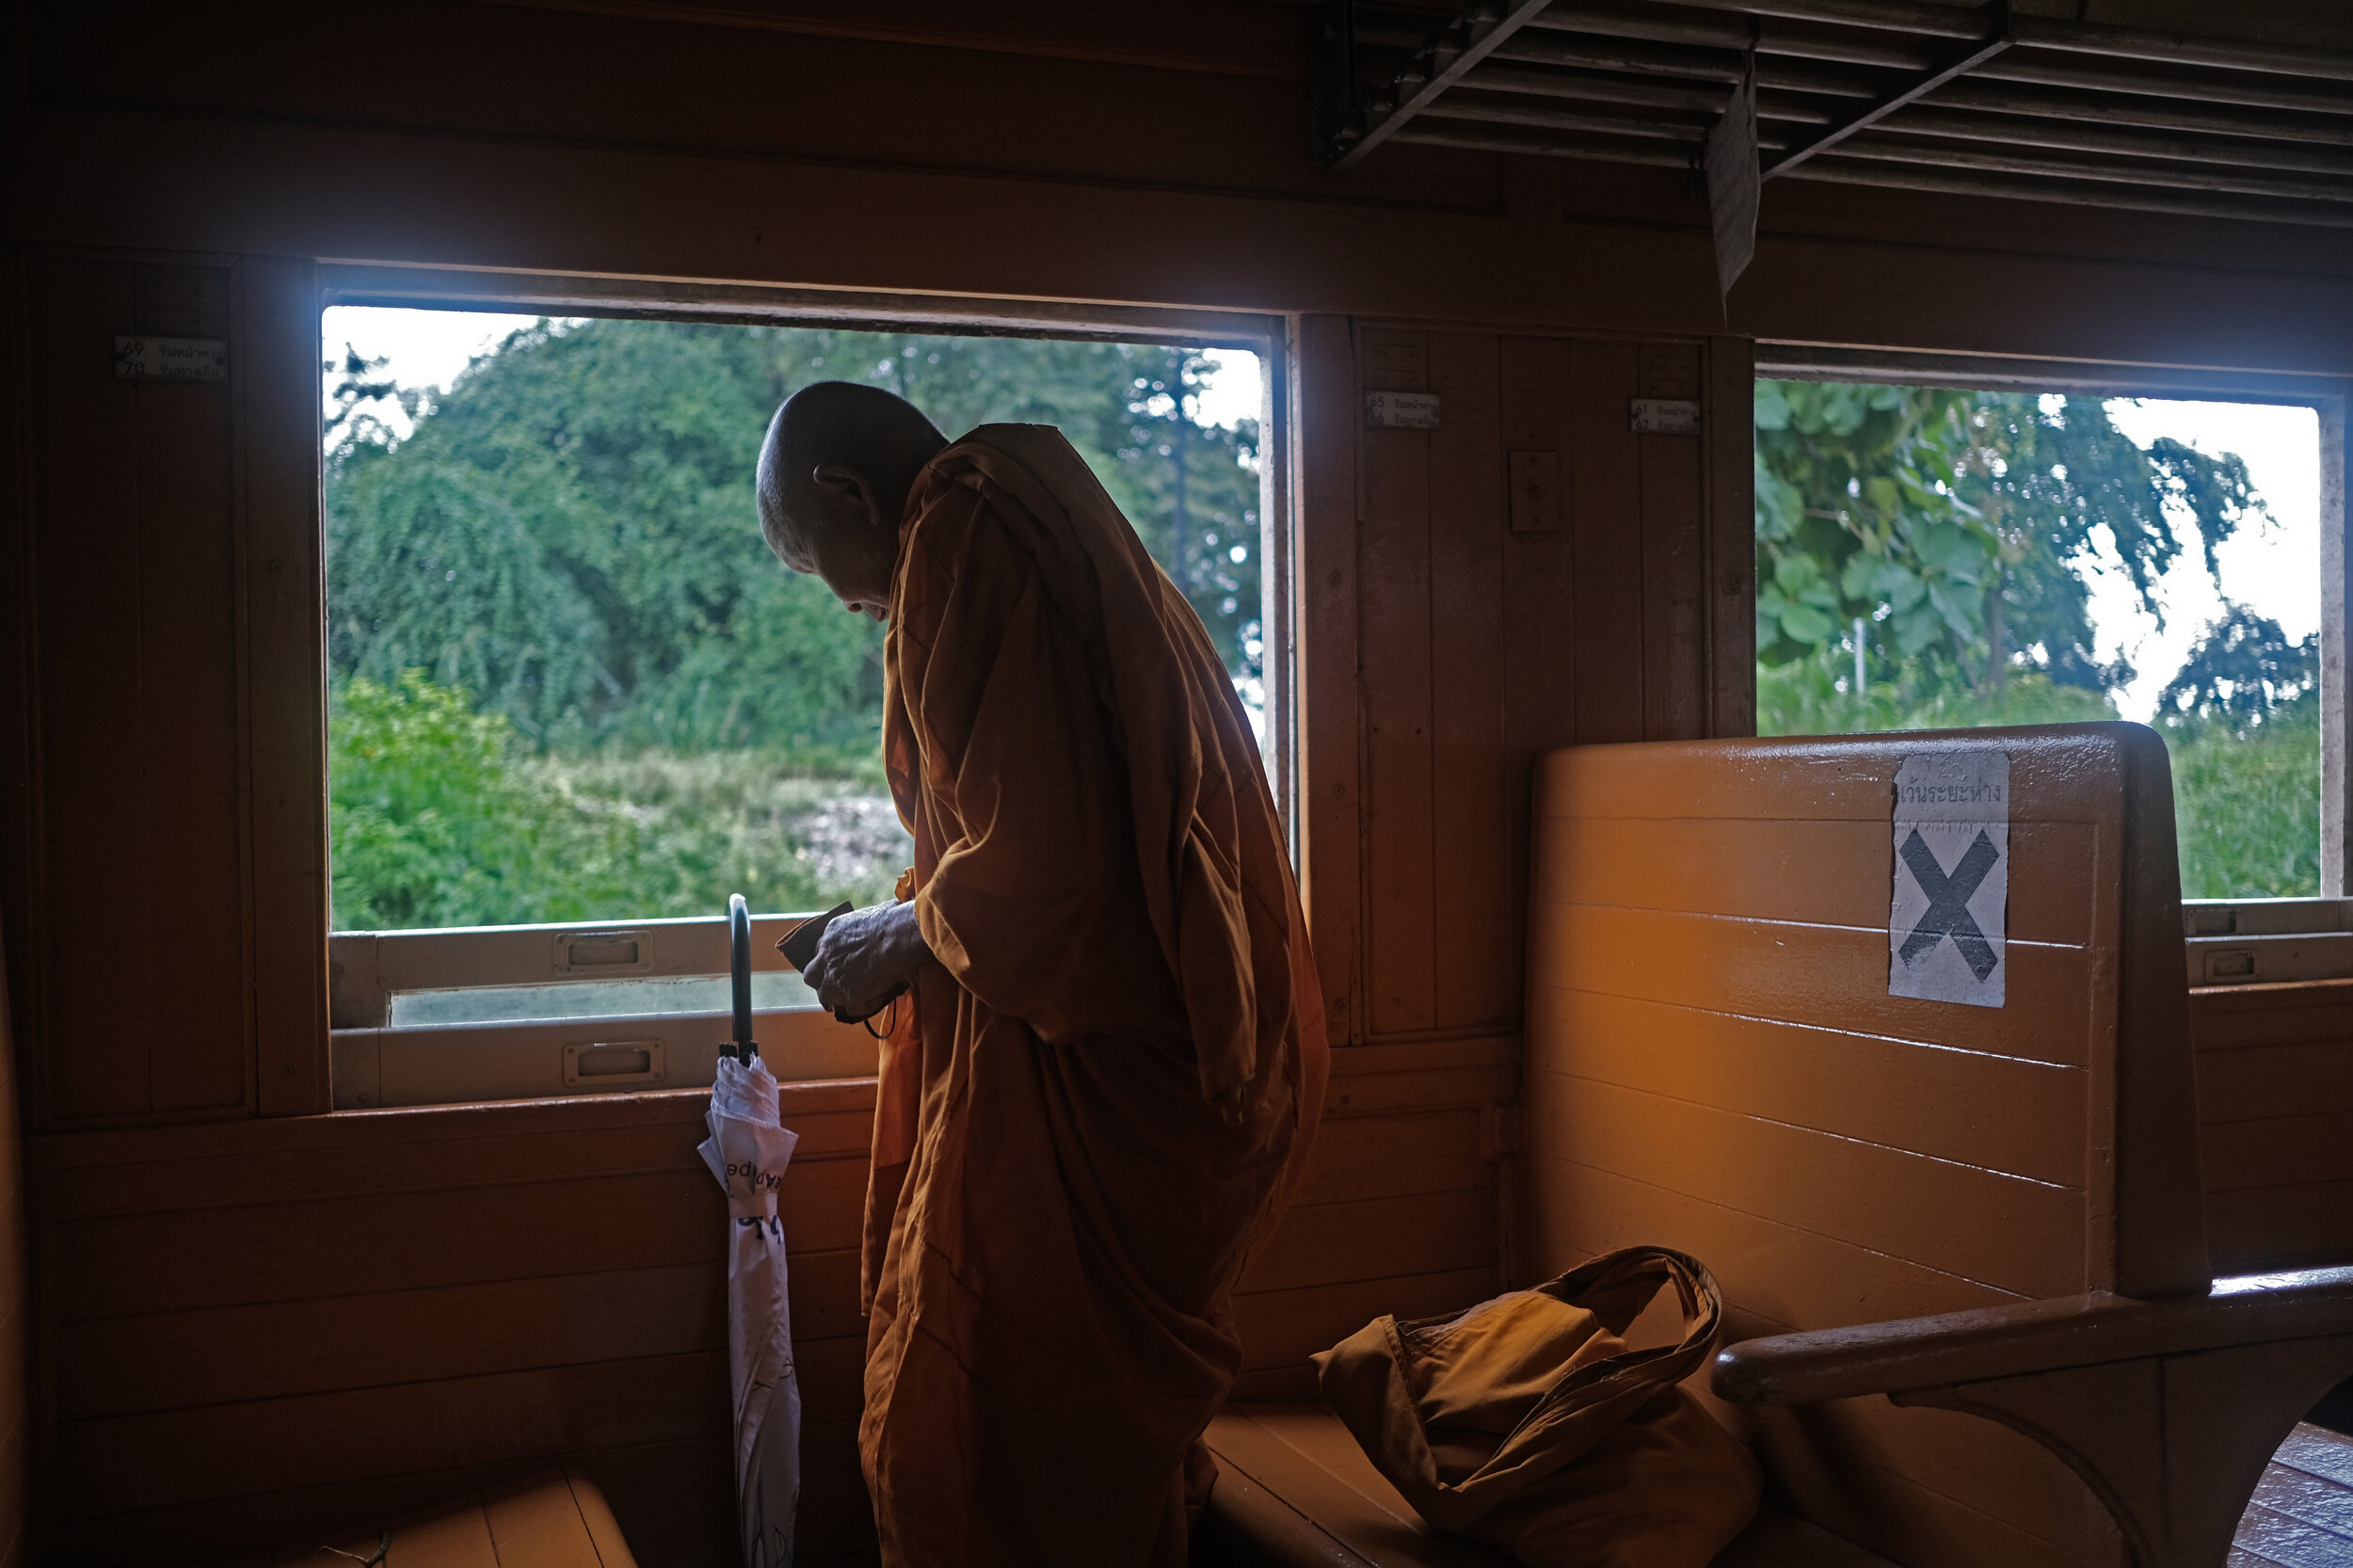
(747, 1151)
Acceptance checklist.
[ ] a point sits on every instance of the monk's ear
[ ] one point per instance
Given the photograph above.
(842, 484)
(846, 489)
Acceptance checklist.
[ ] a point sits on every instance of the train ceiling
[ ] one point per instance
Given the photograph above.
(1970, 99)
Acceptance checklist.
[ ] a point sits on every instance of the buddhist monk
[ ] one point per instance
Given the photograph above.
(1100, 1082)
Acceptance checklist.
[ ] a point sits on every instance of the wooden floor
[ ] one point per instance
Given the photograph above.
(2302, 1512)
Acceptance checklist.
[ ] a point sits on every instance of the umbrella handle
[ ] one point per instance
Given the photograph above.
(740, 973)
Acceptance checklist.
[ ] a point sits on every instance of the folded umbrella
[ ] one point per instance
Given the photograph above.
(747, 1151)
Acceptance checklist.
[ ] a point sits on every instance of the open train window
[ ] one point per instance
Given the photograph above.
(574, 703)
(1933, 557)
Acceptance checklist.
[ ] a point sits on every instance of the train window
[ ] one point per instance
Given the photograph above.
(574, 703)
(1934, 558)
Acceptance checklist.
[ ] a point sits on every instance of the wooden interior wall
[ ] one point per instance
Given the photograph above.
(135, 733)
(323, 1316)
(15, 1428)
(2275, 1106)
(302, 1320)
(293, 1325)
(1480, 630)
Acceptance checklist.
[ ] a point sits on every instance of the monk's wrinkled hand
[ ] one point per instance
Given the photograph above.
(866, 957)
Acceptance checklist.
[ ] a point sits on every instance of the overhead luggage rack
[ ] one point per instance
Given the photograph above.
(1973, 99)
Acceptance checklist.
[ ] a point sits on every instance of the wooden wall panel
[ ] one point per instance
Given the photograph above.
(1486, 639)
(1606, 581)
(1538, 606)
(282, 575)
(133, 708)
(1397, 694)
(1728, 416)
(1675, 531)
(1478, 928)
(304, 1322)
(309, 1320)
(1326, 413)
(2275, 1104)
(15, 1315)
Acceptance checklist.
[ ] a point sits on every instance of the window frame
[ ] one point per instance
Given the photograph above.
(2329, 397)
(373, 1066)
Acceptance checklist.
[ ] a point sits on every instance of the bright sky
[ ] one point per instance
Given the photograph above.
(2272, 566)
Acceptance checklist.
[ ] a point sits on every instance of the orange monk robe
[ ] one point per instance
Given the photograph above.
(1103, 1093)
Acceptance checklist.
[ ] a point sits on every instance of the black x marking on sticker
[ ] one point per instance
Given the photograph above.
(1948, 902)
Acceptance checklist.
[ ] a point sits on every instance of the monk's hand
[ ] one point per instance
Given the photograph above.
(866, 957)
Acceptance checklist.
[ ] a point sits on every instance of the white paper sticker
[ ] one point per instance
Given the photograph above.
(1947, 937)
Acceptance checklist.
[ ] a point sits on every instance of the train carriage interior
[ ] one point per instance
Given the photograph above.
(1653, 469)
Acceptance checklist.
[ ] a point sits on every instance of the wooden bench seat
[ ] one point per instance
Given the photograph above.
(557, 1519)
(1295, 1491)
(1991, 1209)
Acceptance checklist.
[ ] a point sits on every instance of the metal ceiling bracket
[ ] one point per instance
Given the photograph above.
(1445, 54)
(1963, 60)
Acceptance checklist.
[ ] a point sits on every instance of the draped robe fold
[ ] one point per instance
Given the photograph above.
(1103, 1093)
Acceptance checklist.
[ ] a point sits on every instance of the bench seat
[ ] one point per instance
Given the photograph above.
(557, 1519)
(1294, 1490)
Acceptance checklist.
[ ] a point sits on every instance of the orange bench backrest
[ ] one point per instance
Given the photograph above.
(1715, 1064)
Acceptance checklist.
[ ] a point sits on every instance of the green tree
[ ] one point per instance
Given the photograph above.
(570, 533)
(1955, 527)
(2243, 673)
(431, 826)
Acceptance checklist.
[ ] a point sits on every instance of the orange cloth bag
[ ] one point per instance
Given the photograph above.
(1525, 1422)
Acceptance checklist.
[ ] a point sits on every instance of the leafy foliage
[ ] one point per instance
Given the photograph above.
(570, 532)
(1958, 525)
(430, 823)
(2242, 673)
(442, 816)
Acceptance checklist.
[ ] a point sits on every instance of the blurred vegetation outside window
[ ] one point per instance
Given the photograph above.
(1924, 560)
(567, 681)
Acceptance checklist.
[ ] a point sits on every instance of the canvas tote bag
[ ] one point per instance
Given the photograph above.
(1525, 1422)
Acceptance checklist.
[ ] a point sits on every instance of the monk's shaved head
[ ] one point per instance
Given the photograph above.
(833, 482)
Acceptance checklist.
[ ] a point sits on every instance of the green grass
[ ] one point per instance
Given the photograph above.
(2247, 806)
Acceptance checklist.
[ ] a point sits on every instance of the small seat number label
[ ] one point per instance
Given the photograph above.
(1401, 410)
(143, 358)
